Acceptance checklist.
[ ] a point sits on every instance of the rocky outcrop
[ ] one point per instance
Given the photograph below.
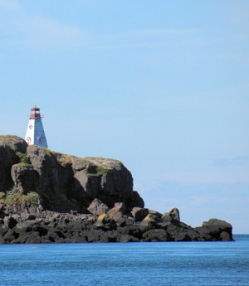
(63, 182)
(34, 226)
(215, 229)
(48, 197)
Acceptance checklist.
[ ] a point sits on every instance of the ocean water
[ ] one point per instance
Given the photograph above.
(161, 263)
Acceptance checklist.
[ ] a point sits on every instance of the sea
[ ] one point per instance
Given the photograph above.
(146, 263)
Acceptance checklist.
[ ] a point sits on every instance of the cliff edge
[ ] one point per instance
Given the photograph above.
(46, 196)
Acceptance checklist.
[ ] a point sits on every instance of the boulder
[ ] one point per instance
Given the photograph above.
(215, 229)
(175, 214)
(2, 240)
(182, 232)
(155, 213)
(217, 224)
(155, 235)
(10, 235)
(97, 207)
(128, 238)
(95, 235)
(113, 236)
(103, 218)
(120, 207)
(34, 237)
(166, 218)
(105, 223)
(225, 236)
(3, 229)
(132, 230)
(24, 226)
(117, 212)
(149, 222)
(116, 216)
(139, 213)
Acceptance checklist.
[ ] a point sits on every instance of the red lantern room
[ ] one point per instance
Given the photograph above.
(35, 112)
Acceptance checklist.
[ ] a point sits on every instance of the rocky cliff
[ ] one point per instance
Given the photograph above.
(47, 196)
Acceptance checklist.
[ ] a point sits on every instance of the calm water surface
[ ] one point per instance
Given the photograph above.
(164, 263)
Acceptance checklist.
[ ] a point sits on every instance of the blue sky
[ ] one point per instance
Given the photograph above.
(160, 85)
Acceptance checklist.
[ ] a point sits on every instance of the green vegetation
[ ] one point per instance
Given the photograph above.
(63, 159)
(47, 151)
(96, 166)
(24, 164)
(101, 171)
(102, 161)
(2, 195)
(23, 158)
(84, 161)
(14, 197)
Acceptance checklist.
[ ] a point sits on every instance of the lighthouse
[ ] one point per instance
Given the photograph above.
(35, 134)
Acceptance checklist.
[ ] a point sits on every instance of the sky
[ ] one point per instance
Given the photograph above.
(160, 85)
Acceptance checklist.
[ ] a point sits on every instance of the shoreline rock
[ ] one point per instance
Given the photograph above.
(54, 227)
(49, 197)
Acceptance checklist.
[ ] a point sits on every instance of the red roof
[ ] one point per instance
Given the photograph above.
(35, 109)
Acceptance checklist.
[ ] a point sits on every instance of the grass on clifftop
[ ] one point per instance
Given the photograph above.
(100, 166)
(100, 171)
(62, 158)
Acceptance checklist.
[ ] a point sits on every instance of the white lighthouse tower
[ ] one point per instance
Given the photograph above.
(35, 134)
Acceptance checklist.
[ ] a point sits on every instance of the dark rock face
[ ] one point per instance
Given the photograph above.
(49, 197)
(78, 181)
(10, 147)
(25, 177)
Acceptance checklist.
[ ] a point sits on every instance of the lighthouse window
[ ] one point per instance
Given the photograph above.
(30, 126)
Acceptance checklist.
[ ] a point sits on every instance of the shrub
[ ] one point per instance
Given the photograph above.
(2, 195)
(14, 197)
(23, 158)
